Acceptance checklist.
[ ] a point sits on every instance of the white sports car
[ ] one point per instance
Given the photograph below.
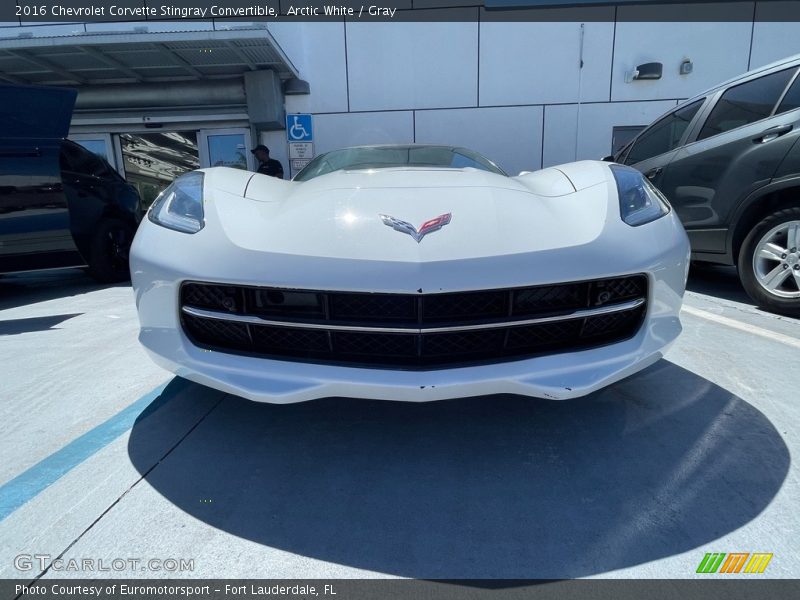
(409, 273)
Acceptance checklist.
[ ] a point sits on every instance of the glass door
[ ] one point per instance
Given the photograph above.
(153, 160)
(226, 148)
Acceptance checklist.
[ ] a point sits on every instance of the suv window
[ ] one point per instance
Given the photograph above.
(664, 135)
(746, 103)
(792, 98)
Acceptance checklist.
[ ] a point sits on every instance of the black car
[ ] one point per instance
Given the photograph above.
(60, 204)
(728, 160)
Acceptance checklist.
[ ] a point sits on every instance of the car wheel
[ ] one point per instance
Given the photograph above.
(110, 247)
(769, 262)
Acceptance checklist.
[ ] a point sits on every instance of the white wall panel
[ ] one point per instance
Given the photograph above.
(538, 63)
(595, 126)
(412, 65)
(776, 33)
(353, 129)
(512, 136)
(317, 51)
(719, 50)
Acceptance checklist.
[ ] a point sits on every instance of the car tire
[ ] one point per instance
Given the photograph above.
(110, 247)
(773, 268)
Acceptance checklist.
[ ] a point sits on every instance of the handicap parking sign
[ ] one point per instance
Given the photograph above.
(298, 128)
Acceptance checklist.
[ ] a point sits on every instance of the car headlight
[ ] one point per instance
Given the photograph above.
(639, 200)
(180, 205)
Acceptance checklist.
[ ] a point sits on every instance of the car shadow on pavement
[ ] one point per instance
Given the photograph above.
(717, 281)
(17, 326)
(492, 487)
(21, 289)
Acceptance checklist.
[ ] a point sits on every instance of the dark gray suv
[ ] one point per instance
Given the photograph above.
(728, 160)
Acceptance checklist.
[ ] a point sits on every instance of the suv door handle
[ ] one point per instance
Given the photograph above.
(653, 173)
(773, 133)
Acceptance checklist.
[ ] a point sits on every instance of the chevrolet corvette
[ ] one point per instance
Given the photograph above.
(410, 273)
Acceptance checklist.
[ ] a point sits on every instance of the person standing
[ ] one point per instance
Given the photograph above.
(267, 166)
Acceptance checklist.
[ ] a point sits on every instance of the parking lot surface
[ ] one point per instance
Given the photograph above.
(107, 457)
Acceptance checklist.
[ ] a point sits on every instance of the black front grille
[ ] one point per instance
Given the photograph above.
(470, 306)
(372, 307)
(413, 330)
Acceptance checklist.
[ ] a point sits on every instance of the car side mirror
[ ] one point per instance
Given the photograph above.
(609, 158)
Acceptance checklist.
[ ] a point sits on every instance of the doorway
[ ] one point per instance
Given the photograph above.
(151, 161)
(226, 148)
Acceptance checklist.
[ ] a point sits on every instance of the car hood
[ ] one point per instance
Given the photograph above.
(343, 214)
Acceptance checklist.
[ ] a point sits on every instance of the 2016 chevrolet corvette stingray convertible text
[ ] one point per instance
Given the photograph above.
(409, 273)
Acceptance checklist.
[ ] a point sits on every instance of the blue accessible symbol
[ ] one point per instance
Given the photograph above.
(298, 128)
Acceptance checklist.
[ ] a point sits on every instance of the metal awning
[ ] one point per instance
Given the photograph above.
(87, 59)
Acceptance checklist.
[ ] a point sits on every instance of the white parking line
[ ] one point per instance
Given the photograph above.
(734, 324)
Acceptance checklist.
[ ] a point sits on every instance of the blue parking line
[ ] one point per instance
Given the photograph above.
(37, 478)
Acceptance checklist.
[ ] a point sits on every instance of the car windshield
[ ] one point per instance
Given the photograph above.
(384, 157)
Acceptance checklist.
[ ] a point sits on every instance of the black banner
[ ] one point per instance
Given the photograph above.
(397, 589)
(29, 12)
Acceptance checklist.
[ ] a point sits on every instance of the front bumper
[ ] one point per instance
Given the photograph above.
(161, 260)
(557, 377)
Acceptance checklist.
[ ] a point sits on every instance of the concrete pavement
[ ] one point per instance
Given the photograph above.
(639, 480)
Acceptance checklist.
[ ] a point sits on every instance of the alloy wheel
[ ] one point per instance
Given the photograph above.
(776, 260)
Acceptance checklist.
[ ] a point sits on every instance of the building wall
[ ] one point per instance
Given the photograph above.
(512, 90)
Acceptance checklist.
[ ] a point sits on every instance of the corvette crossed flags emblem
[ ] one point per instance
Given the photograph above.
(427, 227)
